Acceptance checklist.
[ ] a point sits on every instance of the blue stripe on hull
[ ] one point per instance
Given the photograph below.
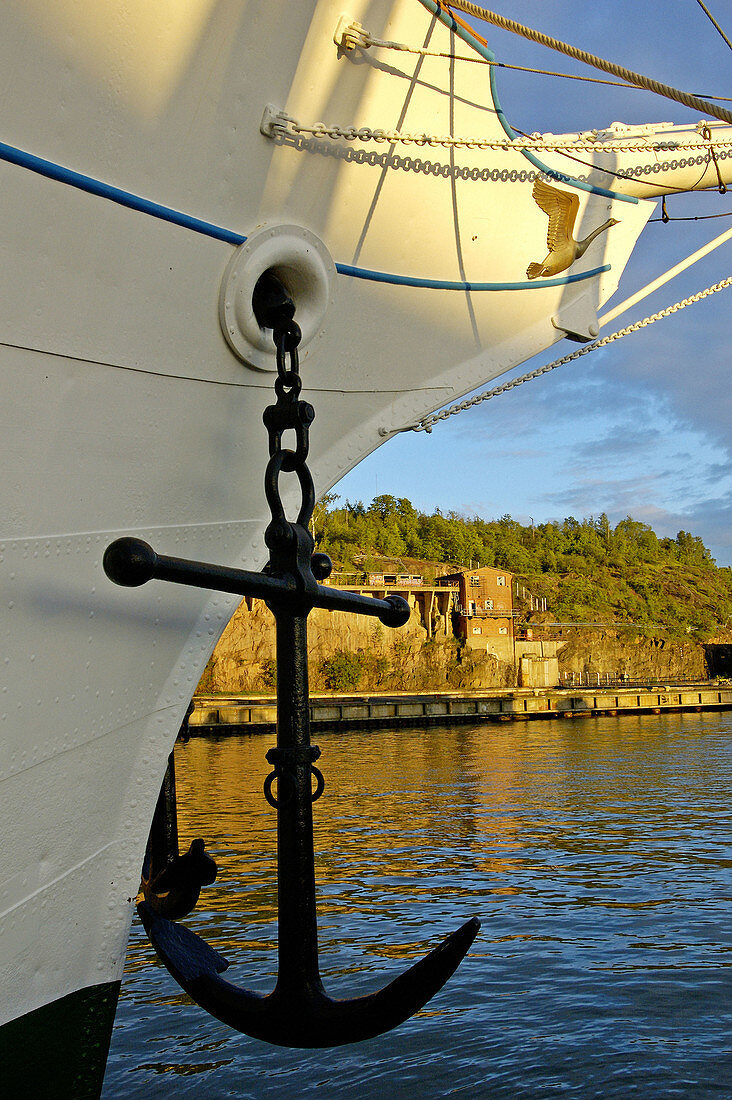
(81, 182)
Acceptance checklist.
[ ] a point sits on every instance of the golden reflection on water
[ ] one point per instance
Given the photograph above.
(595, 852)
(408, 816)
(380, 793)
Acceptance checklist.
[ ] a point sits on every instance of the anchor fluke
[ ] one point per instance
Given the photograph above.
(174, 891)
(298, 1012)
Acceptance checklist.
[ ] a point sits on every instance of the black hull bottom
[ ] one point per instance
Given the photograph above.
(61, 1049)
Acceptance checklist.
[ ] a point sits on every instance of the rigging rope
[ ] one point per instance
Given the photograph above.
(707, 12)
(628, 75)
(361, 38)
(427, 423)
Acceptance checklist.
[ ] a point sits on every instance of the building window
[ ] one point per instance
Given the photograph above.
(503, 630)
(477, 630)
(472, 608)
(475, 581)
(488, 605)
(501, 582)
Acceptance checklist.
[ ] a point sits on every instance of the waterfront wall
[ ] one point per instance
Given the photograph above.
(219, 715)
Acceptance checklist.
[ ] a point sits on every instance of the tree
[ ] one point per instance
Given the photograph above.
(586, 569)
(320, 511)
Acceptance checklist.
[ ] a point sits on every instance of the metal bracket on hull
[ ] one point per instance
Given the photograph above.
(298, 1012)
(578, 319)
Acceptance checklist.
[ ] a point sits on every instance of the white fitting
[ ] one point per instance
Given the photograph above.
(303, 265)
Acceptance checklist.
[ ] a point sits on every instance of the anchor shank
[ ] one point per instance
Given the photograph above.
(297, 929)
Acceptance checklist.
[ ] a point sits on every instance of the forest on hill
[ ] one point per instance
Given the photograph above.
(587, 570)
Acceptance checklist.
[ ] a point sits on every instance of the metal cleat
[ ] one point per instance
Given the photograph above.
(349, 35)
(274, 121)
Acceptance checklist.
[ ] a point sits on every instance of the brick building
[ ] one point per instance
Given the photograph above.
(483, 610)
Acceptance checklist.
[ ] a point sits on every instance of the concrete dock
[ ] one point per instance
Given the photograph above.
(220, 715)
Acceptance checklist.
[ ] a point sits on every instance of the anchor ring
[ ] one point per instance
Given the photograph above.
(319, 783)
(279, 775)
(275, 803)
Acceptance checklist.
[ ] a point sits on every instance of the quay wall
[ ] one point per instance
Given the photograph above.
(221, 715)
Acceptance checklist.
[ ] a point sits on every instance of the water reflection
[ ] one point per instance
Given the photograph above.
(595, 852)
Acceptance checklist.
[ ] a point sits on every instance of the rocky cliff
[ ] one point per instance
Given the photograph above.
(627, 652)
(353, 652)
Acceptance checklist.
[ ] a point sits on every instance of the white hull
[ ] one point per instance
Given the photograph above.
(125, 410)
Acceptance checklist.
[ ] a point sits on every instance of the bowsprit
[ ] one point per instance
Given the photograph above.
(298, 1012)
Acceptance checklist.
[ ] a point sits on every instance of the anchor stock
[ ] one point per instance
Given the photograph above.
(298, 1012)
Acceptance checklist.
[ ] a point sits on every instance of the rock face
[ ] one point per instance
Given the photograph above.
(624, 652)
(349, 653)
(357, 653)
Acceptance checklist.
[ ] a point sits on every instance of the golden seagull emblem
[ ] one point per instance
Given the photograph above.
(561, 208)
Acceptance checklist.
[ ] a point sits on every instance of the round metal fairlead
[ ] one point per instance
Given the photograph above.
(304, 267)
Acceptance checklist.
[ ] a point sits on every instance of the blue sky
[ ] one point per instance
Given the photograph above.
(644, 426)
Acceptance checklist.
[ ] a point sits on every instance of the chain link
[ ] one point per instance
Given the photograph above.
(428, 422)
(285, 123)
(288, 414)
(290, 544)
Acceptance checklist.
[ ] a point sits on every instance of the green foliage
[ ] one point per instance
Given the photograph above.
(375, 667)
(207, 683)
(342, 671)
(268, 673)
(588, 570)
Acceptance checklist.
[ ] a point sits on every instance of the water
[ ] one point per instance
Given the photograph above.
(595, 852)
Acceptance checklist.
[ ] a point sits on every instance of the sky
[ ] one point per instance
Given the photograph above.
(644, 426)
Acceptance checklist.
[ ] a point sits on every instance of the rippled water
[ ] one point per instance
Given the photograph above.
(596, 853)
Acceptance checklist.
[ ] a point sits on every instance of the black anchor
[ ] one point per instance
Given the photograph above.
(298, 1012)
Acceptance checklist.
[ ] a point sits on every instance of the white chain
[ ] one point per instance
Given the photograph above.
(428, 422)
(284, 123)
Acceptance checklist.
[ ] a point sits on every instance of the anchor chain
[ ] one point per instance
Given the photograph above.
(290, 545)
(288, 413)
